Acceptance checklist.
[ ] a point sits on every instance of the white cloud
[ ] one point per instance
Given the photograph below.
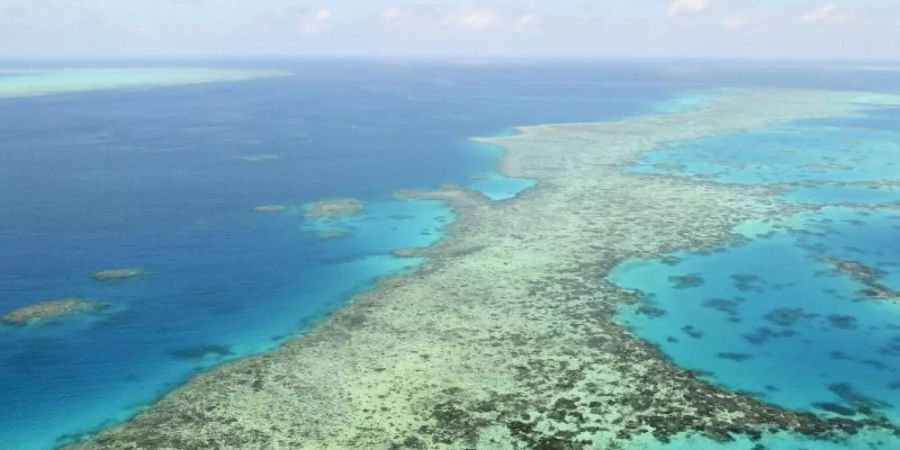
(317, 22)
(468, 19)
(525, 22)
(736, 21)
(820, 14)
(476, 19)
(397, 13)
(750, 23)
(829, 14)
(681, 7)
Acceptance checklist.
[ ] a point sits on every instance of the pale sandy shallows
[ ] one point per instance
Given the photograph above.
(504, 338)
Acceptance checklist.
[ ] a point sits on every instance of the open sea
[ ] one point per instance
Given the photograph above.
(167, 179)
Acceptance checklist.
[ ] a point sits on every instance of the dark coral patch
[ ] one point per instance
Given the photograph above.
(651, 310)
(892, 348)
(720, 304)
(739, 357)
(843, 322)
(746, 282)
(201, 351)
(858, 401)
(835, 408)
(686, 281)
(763, 334)
(691, 331)
(839, 356)
(787, 317)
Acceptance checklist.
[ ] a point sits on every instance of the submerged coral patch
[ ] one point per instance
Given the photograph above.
(51, 310)
(686, 281)
(202, 351)
(269, 208)
(734, 356)
(117, 274)
(334, 208)
(787, 317)
(843, 321)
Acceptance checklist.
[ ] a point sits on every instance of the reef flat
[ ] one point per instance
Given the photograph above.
(505, 337)
(50, 310)
(33, 82)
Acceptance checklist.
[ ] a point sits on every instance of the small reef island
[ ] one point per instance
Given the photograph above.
(51, 310)
(334, 208)
(117, 274)
(869, 277)
(506, 338)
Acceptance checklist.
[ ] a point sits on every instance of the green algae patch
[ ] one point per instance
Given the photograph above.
(506, 336)
(339, 207)
(34, 82)
(51, 310)
(117, 274)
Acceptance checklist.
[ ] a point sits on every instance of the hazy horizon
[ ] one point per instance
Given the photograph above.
(576, 29)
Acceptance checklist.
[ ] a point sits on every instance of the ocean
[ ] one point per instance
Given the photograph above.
(166, 179)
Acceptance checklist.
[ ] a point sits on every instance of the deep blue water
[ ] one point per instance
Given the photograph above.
(160, 179)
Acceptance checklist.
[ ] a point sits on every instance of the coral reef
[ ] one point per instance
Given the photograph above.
(868, 276)
(505, 337)
(117, 274)
(334, 208)
(51, 310)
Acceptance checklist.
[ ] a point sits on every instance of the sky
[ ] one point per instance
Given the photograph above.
(807, 29)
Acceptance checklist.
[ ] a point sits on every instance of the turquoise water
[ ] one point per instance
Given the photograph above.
(773, 316)
(792, 153)
(689, 100)
(492, 184)
(868, 195)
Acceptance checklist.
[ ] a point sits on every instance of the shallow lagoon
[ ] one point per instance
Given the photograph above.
(795, 153)
(772, 315)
